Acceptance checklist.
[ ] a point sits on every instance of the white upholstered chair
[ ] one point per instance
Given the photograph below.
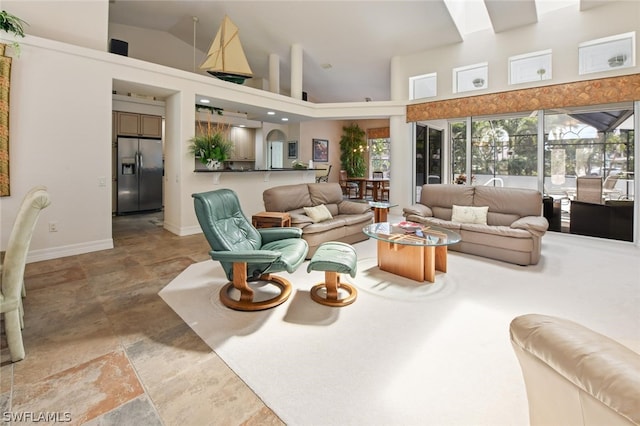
(13, 264)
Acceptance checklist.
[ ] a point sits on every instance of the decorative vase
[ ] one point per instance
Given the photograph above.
(213, 164)
(5, 76)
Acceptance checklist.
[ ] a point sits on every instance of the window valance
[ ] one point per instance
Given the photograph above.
(582, 93)
(378, 133)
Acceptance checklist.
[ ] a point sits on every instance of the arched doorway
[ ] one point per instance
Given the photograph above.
(275, 149)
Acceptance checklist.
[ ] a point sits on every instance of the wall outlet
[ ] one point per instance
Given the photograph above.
(102, 181)
(53, 226)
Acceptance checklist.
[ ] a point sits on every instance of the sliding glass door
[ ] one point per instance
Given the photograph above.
(591, 146)
(428, 156)
(589, 169)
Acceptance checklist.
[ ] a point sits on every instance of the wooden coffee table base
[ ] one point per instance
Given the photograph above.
(418, 263)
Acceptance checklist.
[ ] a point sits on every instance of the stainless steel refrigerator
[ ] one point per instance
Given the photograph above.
(139, 175)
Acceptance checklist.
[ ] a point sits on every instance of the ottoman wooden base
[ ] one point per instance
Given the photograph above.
(332, 285)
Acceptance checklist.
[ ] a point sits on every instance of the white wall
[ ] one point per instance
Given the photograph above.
(80, 22)
(60, 136)
(158, 47)
(558, 30)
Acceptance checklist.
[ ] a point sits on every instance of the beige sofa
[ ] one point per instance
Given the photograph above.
(348, 217)
(514, 222)
(573, 375)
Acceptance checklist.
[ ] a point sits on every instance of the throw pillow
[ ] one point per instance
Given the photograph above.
(468, 214)
(318, 213)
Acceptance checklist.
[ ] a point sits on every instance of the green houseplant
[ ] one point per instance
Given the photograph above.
(211, 145)
(353, 146)
(12, 25)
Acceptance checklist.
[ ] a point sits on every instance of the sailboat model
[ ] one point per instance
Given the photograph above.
(226, 59)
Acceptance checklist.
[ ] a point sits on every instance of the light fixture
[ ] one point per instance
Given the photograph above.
(205, 101)
(617, 60)
(271, 113)
(285, 119)
(478, 82)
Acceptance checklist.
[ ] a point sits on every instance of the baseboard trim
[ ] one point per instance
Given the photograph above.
(183, 231)
(70, 250)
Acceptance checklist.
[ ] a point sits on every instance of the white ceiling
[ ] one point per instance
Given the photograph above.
(357, 38)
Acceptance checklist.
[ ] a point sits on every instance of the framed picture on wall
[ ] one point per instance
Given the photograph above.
(321, 150)
(292, 149)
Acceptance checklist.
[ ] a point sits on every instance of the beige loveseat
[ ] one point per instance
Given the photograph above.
(347, 217)
(514, 222)
(573, 375)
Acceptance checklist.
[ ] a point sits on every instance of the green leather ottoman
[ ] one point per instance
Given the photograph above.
(334, 258)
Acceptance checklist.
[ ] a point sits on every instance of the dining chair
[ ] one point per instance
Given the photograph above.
(348, 187)
(370, 186)
(322, 175)
(384, 191)
(13, 265)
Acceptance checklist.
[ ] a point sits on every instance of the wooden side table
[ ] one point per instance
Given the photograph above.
(271, 219)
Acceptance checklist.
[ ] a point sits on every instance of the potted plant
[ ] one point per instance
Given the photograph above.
(297, 164)
(211, 145)
(353, 146)
(12, 25)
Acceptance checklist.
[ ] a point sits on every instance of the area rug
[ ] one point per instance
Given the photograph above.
(408, 353)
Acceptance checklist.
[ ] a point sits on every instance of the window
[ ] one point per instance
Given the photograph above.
(471, 77)
(423, 86)
(534, 66)
(504, 151)
(458, 132)
(379, 155)
(606, 54)
(588, 143)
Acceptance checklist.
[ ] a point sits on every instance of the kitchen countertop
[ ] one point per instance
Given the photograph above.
(256, 170)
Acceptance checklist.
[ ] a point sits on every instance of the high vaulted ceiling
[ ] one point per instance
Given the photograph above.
(347, 45)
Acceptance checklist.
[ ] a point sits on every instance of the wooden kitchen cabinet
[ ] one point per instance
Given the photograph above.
(141, 125)
(244, 147)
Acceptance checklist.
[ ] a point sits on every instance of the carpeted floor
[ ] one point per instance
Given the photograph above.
(408, 353)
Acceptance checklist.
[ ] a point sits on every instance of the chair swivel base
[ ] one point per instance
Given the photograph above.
(332, 285)
(246, 302)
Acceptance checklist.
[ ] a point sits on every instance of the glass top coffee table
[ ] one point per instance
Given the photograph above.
(412, 250)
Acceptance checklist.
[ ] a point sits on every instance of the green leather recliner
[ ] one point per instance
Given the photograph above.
(246, 253)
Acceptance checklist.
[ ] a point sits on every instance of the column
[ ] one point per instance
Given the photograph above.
(274, 73)
(296, 71)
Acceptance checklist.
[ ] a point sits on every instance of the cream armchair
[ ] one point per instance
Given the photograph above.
(575, 376)
(12, 272)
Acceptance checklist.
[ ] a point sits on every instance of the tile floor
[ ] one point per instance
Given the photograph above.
(104, 349)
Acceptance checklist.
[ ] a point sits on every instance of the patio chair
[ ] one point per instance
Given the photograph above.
(609, 190)
(589, 189)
